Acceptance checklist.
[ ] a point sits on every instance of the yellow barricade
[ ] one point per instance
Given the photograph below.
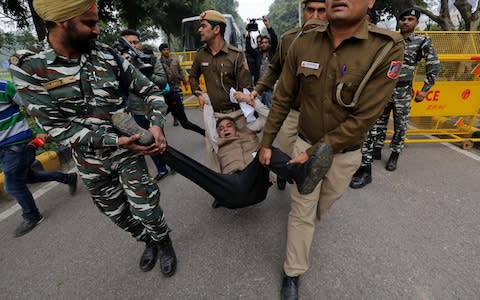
(450, 111)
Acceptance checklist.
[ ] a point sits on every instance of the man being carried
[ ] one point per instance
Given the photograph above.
(224, 67)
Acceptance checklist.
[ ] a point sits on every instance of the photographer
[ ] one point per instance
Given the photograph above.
(153, 69)
(262, 55)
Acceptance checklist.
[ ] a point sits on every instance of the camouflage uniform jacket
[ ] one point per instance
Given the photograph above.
(73, 99)
(326, 80)
(159, 77)
(416, 48)
(222, 71)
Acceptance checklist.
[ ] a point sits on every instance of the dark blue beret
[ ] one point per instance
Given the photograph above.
(412, 11)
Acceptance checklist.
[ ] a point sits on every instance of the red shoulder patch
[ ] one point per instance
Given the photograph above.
(394, 70)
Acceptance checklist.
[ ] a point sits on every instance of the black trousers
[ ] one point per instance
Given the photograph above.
(237, 190)
(175, 106)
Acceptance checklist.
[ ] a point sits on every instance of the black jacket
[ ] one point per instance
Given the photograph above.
(256, 54)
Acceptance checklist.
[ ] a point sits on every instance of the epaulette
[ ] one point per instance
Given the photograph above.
(202, 47)
(230, 47)
(314, 25)
(293, 31)
(20, 56)
(392, 35)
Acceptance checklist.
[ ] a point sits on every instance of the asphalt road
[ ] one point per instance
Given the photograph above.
(411, 234)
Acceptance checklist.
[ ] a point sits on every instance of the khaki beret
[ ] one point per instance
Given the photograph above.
(61, 10)
(213, 15)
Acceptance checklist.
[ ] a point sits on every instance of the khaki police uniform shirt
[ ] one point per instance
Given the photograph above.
(314, 71)
(268, 80)
(222, 71)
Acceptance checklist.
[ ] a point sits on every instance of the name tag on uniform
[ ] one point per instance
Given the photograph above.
(310, 65)
(204, 64)
(59, 82)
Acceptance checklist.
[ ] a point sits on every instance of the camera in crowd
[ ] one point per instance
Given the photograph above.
(252, 24)
(140, 60)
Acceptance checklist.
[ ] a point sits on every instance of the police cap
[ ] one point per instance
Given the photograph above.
(213, 15)
(412, 11)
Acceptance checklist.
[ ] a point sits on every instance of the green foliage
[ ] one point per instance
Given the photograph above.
(147, 16)
(17, 11)
(283, 15)
(9, 41)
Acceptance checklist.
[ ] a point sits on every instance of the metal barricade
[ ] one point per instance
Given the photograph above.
(450, 111)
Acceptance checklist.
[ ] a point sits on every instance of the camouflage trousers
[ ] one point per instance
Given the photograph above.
(122, 189)
(399, 104)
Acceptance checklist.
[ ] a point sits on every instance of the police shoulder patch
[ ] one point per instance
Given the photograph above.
(394, 69)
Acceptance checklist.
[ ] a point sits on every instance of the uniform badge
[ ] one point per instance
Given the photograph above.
(310, 65)
(394, 70)
(204, 64)
(14, 60)
(59, 82)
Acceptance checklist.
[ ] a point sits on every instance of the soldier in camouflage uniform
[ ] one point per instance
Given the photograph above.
(72, 90)
(416, 48)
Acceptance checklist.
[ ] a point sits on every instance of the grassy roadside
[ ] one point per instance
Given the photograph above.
(5, 75)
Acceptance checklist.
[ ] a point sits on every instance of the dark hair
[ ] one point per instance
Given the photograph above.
(130, 32)
(226, 118)
(223, 26)
(162, 46)
(49, 25)
(265, 38)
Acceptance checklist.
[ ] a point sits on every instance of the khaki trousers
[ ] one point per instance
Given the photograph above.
(288, 132)
(306, 210)
(212, 158)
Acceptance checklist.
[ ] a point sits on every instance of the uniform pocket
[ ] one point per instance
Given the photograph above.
(306, 73)
(346, 87)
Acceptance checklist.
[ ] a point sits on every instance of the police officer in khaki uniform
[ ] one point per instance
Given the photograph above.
(342, 73)
(312, 9)
(223, 67)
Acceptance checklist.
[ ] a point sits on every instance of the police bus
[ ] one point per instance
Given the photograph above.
(191, 37)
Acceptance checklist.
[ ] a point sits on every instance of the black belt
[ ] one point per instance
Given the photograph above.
(348, 149)
(234, 107)
(404, 83)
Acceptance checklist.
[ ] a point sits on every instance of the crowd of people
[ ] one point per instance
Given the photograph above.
(328, 122)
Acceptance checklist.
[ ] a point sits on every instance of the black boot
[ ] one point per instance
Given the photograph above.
(168, 259)
(392, 162)
(290, 288)
(362, 177)
(149, 256)
(377, 153)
